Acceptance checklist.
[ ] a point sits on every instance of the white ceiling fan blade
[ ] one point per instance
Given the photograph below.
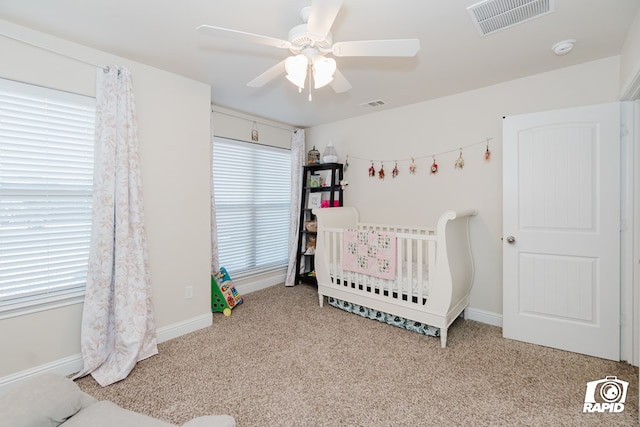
(268, 75)
(321, 17)
(243, 36)
(399, 47)
(340, 83)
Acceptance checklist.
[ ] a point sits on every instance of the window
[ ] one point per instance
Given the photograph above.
(252, 188)
(46, 181)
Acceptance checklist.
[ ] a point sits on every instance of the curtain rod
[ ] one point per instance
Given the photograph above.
(290, 129)
(75, 58)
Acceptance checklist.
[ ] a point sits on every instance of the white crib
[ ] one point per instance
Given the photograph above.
(433, 268)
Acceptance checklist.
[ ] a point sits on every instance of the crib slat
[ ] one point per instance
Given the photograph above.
(337, 264)
(431, 254)
(344, 274)
(329, 236)
(419, 262)
(409, 261)
(399, 264)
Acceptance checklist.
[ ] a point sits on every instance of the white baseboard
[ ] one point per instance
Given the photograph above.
(257, 285)
(175, 330)
(71, 364)
(483, 316)
(65, 366)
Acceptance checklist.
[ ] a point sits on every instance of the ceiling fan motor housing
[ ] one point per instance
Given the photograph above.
(300, 38)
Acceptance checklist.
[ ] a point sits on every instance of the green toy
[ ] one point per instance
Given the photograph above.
(224, 295)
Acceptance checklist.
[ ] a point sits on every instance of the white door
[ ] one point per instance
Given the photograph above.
(561, 216)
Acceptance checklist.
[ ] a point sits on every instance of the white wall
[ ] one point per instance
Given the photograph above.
(630, 90)
(630, 61)
(236, 125)
(446, 124)
(173, 123)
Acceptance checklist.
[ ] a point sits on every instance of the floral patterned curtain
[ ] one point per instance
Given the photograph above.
(297, 161)
(118, 326)
(215, 253)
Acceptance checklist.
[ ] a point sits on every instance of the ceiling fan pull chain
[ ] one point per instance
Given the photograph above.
(309, 76)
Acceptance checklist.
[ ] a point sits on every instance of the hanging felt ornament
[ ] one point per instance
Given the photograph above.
(254, 132)
(460, 161)
(412, 167)
(395, 171)
(434, 166)
(487, 153)
(381, 171)
(372, 170)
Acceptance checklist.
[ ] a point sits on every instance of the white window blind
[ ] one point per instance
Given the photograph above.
(252, 191)
(46, 181)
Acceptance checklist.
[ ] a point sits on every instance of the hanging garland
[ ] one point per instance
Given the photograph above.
(459, 163)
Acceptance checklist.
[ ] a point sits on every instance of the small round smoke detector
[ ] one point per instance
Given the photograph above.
(563, 47)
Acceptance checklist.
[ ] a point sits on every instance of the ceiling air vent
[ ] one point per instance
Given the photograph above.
(490, 16)
(376, 103)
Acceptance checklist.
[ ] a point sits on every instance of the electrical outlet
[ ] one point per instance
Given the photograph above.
(188, 292)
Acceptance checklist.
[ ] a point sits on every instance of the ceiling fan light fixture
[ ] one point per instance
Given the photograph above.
(323, 70)
(296, 67)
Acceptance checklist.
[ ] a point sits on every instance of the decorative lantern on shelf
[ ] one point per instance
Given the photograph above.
(330, 155)
(313, 156)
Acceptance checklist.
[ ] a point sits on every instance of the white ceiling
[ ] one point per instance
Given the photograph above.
(453, 57)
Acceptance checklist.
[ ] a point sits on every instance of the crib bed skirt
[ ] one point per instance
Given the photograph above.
(380, 316)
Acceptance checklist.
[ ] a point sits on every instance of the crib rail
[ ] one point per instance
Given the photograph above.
(408, 229)
(415, 265)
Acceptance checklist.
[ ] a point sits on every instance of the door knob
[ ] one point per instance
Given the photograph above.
(511, 239)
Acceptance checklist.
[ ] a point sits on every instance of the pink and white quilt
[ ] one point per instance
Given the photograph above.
(370, 252)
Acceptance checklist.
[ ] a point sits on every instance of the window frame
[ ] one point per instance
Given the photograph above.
(256, 269)
(86, 107)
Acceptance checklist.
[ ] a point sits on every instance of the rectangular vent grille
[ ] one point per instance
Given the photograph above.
(376, 103)
(490, 16)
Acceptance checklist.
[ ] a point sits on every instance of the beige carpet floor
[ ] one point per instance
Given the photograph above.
(281, 360)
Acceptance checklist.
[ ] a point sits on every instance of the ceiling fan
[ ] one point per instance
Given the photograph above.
(310, 43)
